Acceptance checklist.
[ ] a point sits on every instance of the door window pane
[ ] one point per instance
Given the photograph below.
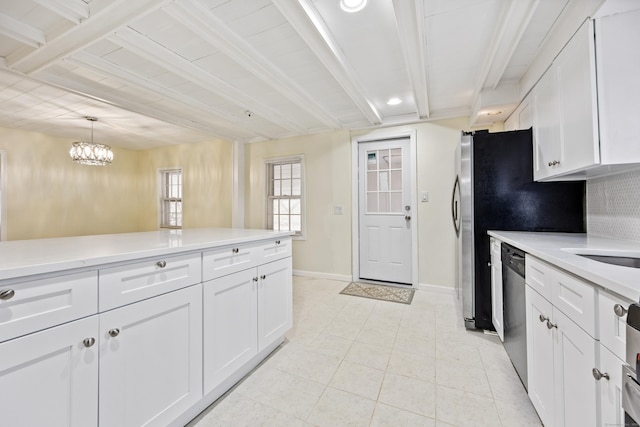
(372, 202)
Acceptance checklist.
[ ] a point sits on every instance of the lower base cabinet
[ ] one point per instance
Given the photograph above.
(50, 378)
(610, 388)
(244, 313)
(560, 359)
(151, 359)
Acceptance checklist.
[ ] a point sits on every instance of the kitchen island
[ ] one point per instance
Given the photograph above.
(137, 328)
(576, 310)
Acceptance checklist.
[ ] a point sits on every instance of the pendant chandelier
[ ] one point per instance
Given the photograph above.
(90, 153)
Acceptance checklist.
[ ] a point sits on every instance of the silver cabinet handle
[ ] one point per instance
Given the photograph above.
(543, 318)
(488, 263)
(553, 163)
(7, 294)
(277, 242)
(551, 325)
(88, 342)
(255, 279)
(407, 217)
(599, 375)
(114, 332)
(235, 250)
(619, 310)
(264, 276)
(161, 264)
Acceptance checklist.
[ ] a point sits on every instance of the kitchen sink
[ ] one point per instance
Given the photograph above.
(625, 261)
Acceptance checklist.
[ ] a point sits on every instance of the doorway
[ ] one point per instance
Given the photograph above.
(385, 226)
(3, 205)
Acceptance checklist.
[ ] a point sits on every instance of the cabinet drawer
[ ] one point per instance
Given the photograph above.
(41, 303)
(145, 279)
(576, 299)
(229, 259)
(612, 326)
(274, 250)
(538, 276)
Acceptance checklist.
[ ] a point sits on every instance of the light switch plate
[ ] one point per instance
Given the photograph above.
(424, 196)
(337, 210)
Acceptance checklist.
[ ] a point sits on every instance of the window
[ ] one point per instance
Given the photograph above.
(284, 195)
(171, 198)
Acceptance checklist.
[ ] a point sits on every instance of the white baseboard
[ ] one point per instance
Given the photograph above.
(437, 288)
(318, 275)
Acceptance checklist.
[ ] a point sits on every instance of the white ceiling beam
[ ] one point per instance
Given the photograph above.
(409, 22)
(111, 70)
(306, 21)
(170, 61)
(77, 87)
(512, 23)
(117, 14)
(73, 10)
(21, 32)
(201, 21)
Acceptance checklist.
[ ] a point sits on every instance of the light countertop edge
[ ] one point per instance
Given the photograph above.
(19, 258)
(560, 250)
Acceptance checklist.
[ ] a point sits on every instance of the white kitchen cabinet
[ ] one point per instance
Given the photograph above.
(50, 378)
(230, 325)
(521, 118)
(612, 320)
(610, 388)
(560, 359)
(275, 301)
(497, 308)
(151, 359)
(540, 356)
(584, 109)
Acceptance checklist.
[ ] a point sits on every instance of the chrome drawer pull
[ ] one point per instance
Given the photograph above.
(235, 250)
(551, 325)
(161, 264)
(599, 375)
(88, 342)
(543, 318)
(277, 242)
(7, 294)
(255, 279)
(114, 332)
(263, 277)
(619, 310)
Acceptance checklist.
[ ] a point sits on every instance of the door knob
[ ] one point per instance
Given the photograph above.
(114, 332)
(619, 310)
(599, 375)
(88, 342)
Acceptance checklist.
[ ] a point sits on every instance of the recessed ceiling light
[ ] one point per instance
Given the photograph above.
(394, 101)
(352, 6)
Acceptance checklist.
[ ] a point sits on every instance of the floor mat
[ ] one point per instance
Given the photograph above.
(381, 292)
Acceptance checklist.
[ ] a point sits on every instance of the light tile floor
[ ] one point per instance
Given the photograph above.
(352, 361)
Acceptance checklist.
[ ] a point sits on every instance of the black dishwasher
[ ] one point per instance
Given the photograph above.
(513, 292)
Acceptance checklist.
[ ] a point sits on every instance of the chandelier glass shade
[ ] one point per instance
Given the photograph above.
(90, 153)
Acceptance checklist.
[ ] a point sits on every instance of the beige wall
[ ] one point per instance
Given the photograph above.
(327, 182)
(327, 247)
(47, 195)
(207, 171)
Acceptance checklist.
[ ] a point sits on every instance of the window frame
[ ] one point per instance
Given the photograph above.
(162, 187)
(268, 197)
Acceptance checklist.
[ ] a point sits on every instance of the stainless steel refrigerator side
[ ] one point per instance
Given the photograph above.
(466, 232)
(455, 212)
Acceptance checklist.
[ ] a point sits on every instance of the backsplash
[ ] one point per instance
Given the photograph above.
(613, 206)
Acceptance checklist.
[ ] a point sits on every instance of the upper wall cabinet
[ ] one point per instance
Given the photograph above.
(584, 117)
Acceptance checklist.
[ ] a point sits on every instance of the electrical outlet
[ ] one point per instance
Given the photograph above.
(337, 210)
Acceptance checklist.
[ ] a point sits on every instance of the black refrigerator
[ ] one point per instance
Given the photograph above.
(494, 190)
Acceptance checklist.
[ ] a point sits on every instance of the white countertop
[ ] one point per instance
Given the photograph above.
(27, 257)
(560, 249)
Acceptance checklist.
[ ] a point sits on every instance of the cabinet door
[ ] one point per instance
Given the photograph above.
(230, 317)
(540, 356)
(274, 301)
(612, 318)
(575, 71)
(497, 311)
(50, 378)
(575, 387)
(546, 126)
(151, 359)
(610, 389)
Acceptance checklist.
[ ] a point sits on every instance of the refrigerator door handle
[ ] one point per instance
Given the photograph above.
(454, 206)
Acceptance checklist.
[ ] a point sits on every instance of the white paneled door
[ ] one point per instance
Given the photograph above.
(385, 210)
